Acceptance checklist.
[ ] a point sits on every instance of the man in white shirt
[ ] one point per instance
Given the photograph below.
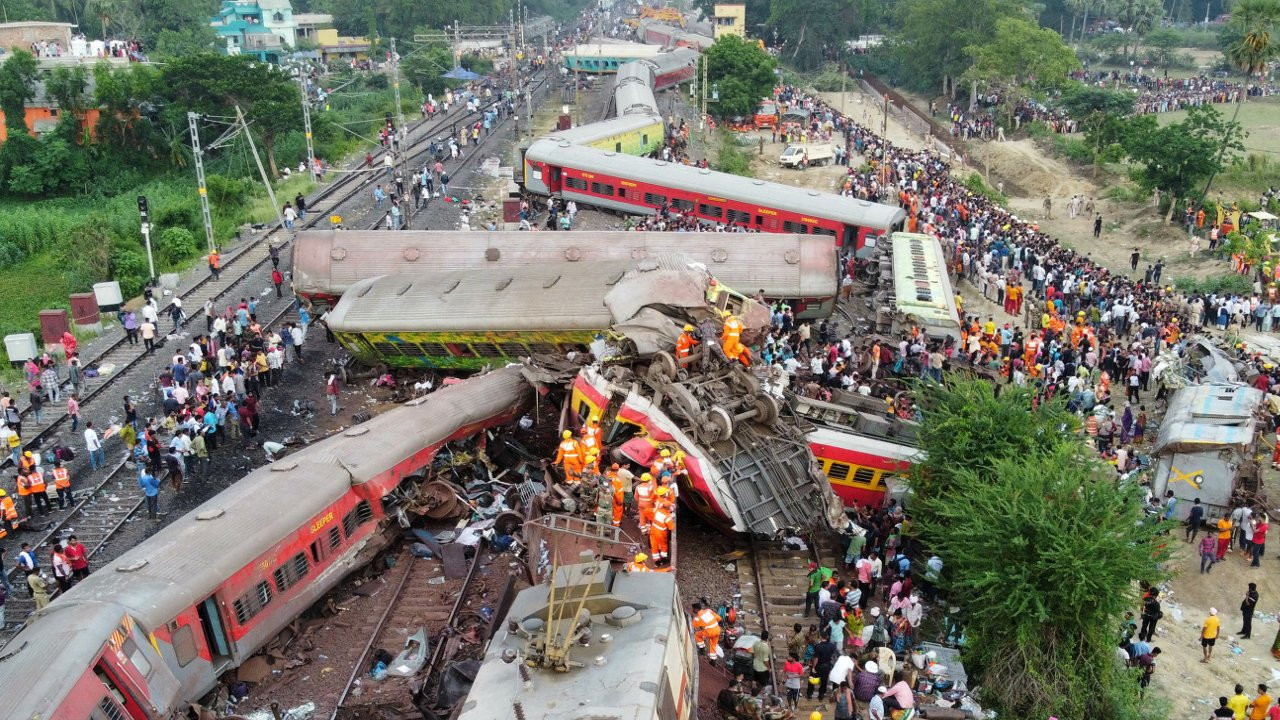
(97, 458)
(842, 671)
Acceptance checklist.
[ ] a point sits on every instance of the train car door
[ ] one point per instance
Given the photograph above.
(124, 695)
(849, 238)
(215, 634)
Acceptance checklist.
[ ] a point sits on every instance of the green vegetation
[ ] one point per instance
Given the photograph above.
(1234, 283)
(975, 183)
(1176, 158)
(731, 157)
(1043, 549)
(741, 73)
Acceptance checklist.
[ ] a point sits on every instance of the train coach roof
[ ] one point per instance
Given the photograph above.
(762, 193)
(783, 265)
(619, 678)
(612, 50)
(556, 296)
(190, 558)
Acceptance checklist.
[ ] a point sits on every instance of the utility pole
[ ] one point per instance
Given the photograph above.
(395, 84)
(266, 181)
(884, 156)
(193, 125)
(306, 121)
(144, 214)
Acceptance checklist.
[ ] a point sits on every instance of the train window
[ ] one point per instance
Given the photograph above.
(864, 476)
(513, 350)
(252, 602)
(622, 192)
(824, 231)
(542, 348)
(388, 348)
(601, 188)
(134, 653)
(795, 227)
(575, 183)
(433, 348)
(291, 572)
(714, 211)
(617, 147)
(110, 710)
(486, 350)
(759, 219)
(654, 199)
(681, 204)
(838, 471)
(644, 139)
(362, 514)
(738, 216)
(335, 538)
(460, 350)
(184, 645)
(573, 347)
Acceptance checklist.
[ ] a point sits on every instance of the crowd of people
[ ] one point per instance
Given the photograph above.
(1160, 93)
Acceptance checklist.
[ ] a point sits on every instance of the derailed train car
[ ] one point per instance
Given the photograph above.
(803, 270)
(154, 629)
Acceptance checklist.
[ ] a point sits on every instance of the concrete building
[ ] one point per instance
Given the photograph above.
(42, 113)
(730, 19)
(336, 48)
(265, 28)
(21, 35)
(310, 25)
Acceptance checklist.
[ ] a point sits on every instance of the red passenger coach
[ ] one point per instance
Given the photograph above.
(152, 631)
(642, 186)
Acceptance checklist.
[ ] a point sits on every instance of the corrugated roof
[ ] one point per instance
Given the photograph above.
(695, 180)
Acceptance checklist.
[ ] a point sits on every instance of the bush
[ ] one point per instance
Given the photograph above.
(1073, 149)
(10, 254)
(733, 159)
(128, 267)
(1226, 283)
(176, 244)
(975, 183)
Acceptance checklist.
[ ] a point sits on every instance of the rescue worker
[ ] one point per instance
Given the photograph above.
(661, 527)
(706, 631)
(645, 497)
(27, 462)
(570, 456)
(62, 483)
(592, 464)
(685, 343)
(10, 513)
(604, 499)
(39, 493)
(619, 494)
(661, 464)
(637, 564)
(591, 434)
(731, 340)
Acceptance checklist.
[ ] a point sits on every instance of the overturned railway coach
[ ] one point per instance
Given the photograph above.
(803, 270)
(153, 630)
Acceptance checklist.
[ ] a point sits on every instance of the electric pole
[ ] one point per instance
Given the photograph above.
(395, 84)
(266, 181)
(144, 215)
(193, 125)
(306, 121)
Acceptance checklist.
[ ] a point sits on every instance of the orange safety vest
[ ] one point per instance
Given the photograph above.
(591, 437)
(570, 452)
(36, 482)
(662, 518)
(10, 511)
(644, 494)
(634, 566)
(684, 345)
(61, 478)
(24, 485)
(732, 327)
(26, 463)
(706, 619)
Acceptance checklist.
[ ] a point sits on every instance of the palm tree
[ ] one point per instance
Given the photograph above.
(1257, 45)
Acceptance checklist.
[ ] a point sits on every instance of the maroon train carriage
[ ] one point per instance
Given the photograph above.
(152, 631)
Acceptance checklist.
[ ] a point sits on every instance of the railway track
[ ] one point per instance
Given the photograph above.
(96, 517)
(122, 357)
(415, 603)
(773, 586)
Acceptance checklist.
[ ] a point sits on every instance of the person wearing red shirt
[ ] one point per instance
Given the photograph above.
(77, 557)
(1260, 527)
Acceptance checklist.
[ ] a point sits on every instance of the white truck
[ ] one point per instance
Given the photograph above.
(819, 154)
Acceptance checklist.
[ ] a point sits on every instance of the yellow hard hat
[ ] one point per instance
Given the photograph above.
(27, 453)
(815, 715)
(595, 417)
(641, 557)
(679, 454)
(3, 493)
(592, 451)
(725, 313)
(662, 490)
(646, 477)
(688, 328)
(665, 453)
(566, 434)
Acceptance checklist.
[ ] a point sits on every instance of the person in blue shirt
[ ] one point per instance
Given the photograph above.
(151, 487)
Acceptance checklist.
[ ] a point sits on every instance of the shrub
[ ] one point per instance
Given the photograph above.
(128, 267)
(176, 244)
(976, 184)
(1073, 149)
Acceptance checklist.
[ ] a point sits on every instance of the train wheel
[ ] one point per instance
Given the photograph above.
(663, 367)
(717, 425)
(768, 408)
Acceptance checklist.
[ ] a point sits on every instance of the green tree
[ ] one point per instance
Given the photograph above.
(740, 72)
(214, 84)
(1081, 101)
(1104, 132)
(1176, 157)
(17, 86)
(934, 34)
(1163, 44)
(1021, 54)
(1042, 549)
(1254, 23)
(812, 30)
(425, 68)
(1138, 17)
(187, 41)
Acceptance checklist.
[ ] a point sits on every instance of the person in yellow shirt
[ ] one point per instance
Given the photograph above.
(1224, 537)
(1258, 708)
(1209, 635)
(1238, 703)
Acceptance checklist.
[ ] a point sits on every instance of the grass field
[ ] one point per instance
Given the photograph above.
(1260, 118)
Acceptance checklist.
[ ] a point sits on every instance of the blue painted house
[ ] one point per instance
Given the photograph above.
(265, 28)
